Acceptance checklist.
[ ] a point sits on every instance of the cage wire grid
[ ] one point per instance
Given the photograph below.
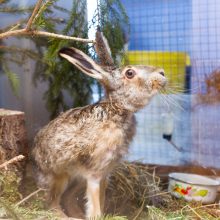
(183, 37)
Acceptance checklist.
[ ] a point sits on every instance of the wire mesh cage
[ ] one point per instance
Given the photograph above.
(183, 37)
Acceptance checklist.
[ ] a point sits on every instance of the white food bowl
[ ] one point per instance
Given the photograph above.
(193, 187)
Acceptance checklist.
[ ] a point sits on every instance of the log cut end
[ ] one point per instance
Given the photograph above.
(13, 135)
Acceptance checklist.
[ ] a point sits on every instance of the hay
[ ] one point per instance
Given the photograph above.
(133, 186)
(133, 191)
(185, 211)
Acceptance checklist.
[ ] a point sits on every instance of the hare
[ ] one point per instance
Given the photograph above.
(88, 142)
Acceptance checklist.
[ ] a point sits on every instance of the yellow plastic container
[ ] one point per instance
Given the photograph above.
(174, 64)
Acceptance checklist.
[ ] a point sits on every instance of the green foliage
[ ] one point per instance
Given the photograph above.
(186, 211)
(62, 76)
(13, 79)
(7, 210)
(33, 207)
(41, 21)
(113, 19)
(9, 183)
(63, 79)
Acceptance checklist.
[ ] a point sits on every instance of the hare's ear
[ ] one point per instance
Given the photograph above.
(103, 50)
(82, 62)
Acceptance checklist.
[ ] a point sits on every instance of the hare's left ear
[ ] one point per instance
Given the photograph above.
(83, 62)
(103, 50)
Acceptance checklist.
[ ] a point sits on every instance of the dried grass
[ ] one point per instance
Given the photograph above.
(133, 186)
(187, 211)
(133, 191)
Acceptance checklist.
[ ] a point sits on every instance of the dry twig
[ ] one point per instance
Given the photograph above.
(13, 160)
(29, 196)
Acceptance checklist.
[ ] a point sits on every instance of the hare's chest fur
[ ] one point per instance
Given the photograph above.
(92, 138)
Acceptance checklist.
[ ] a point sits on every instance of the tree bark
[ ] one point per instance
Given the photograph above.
(13, 135)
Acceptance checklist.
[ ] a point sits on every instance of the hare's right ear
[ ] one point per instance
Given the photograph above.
(83, 62)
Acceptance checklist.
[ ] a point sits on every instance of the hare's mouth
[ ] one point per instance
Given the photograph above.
(158, 84)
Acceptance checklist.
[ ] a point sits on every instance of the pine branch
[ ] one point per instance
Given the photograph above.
(42, 9)
(29, 32)
(61, 9)
(36, 9)
(15, 10)
(14, 26)
(13, 60)
(60, 75)
(35, 33)
(13, 79)
(24, 51)
(4, 1)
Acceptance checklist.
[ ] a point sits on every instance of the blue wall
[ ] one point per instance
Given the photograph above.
(191, 26)
(160, 24)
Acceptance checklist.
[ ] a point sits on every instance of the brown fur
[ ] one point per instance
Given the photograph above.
(89, 141)
(212, 95)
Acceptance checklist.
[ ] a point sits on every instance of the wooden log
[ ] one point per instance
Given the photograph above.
(13, 135)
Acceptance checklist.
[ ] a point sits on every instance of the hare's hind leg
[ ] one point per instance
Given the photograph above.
(57, 188)
(93, 208)
(103, 186)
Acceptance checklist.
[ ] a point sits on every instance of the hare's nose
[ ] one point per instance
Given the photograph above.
(161, 73)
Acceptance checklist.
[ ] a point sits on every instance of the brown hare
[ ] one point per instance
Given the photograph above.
(87, 142)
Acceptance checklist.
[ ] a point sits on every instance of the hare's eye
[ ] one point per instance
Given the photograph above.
(130, 73)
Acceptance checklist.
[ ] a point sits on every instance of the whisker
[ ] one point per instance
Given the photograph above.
(171, 100)
(163, 98)
(176, 89)
(179, 96)
(174, 99)
(165, 102)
